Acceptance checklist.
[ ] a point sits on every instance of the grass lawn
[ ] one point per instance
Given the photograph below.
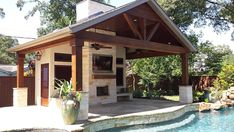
(172, 98)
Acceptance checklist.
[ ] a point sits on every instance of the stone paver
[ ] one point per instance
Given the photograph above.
(128, 107)
(36, 117)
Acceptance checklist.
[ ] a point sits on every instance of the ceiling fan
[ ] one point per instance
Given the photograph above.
(98, 46)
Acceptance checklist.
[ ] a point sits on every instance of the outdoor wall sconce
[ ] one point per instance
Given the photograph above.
(38, 55)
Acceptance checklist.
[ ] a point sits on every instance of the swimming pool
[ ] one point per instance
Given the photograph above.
(214, 121)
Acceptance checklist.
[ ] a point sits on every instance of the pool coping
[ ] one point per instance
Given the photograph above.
(147, 117)
(107, 122)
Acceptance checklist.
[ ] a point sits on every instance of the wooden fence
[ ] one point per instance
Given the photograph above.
(171, 86)
(6, 90)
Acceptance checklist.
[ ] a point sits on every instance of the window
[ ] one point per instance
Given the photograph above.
(102, 91)
(119, 76)
(62, 72)
(119, 60)
(62, 57)
(102, 63)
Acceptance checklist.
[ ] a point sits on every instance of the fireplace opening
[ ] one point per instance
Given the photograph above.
(102, 90)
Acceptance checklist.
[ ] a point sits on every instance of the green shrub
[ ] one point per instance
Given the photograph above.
(145, 93)
(197, 96)
(226, 77)
(206, 100)
(201, 96)
(216, 93)
(225, 81)
(137, 93)
(155, 94)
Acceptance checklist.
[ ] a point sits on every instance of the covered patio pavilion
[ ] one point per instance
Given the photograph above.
(141, 27)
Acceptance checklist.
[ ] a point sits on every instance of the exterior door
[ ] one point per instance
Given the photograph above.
(44, 84)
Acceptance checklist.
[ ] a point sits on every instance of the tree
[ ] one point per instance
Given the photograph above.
(217, 13)
(5, 43)
(152, 70)
(209, 58)
(55, 14)
(2, 13)
(228, 60)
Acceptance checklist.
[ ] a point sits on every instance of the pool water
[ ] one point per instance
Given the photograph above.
(214, 121)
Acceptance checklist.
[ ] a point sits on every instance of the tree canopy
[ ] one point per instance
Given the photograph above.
(216, 13)
(209, 59)
(2, 13)
(5, 43)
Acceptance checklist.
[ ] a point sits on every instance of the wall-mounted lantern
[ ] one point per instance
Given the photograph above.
(38, 55)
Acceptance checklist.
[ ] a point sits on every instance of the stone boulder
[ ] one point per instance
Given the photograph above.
(217, 106)
(228, 102)
(204, 106)
(231, 96)
(232, 88)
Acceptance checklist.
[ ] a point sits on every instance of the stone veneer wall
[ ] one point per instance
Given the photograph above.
(93, 83)
(121, 53)
(147, 117)
(20, 97)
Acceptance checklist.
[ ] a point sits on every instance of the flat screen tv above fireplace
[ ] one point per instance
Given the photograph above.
(102, 63)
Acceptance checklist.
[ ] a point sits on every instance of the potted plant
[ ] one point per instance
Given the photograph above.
(70, 101)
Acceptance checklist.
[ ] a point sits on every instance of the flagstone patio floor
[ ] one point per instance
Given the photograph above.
(39, 117)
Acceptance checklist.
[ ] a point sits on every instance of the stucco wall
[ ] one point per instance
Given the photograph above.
(48, 57)
(45, 58)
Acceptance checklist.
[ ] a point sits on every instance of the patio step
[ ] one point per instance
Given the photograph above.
(124, 97)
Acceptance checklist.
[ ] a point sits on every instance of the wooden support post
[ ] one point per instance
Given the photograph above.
(77, 45)
(20, 70)
(185, 75)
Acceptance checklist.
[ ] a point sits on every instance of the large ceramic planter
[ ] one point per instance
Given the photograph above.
(70, 110)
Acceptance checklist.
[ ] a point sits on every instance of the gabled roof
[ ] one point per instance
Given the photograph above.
(85, 24)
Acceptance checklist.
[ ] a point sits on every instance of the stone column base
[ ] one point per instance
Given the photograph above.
(130, 96)
(20, 97)
(84, 106)
(186, 94)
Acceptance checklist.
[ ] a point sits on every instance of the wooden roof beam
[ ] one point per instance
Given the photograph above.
(132, 26)
(153, 31)
(146, 55)
(130, 42)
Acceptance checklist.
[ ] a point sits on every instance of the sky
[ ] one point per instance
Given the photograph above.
(14, 24)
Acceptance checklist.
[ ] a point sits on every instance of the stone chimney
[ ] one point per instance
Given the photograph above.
(90, 8)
